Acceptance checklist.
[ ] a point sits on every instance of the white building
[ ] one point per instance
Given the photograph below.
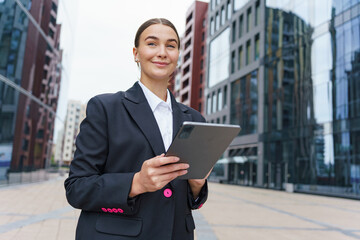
(59, 147)
(75, 114)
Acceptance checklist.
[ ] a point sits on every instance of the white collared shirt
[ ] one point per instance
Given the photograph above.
(162, 112)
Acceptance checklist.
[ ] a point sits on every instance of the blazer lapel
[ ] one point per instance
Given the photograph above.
(139, 109)
(179, 115)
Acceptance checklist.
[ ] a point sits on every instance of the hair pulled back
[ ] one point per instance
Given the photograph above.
(153, 21)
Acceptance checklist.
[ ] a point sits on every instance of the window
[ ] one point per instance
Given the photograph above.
(244, 103)
(225, 97)
(217, 21)
(232, 61)
(238, 4)
(208, 105)
(185, 83)
(248, 20)
(233, 38)
(187, 44)
(211, 26)
(25, 145)
(213, 4)
(257, 47)
(186, 70)
(199, 107)
(204, 22)
(220, 99)
(201, 78)
(47, 60)
(219, 58)
(240, 57)
(248, 48)
(228, 10)
(53, 20)
(203, 36)
(188, 19)
(187, 56)
(224, 119)
(201, 64)
(184, 97)
(241, 23)
(188, 31)
(202, 50)
(214, 101)
(200, 93)
(223, 16)
(54, 7)
(257, 12)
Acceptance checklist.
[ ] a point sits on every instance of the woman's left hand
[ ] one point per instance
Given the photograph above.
(197, 184)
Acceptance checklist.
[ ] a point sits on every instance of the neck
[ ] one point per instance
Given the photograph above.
(159, 88)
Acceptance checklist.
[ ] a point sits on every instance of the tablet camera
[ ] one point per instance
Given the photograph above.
(186, 132)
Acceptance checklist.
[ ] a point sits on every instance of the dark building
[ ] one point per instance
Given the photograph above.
(193, 56)
(288, 73)
(31, 61)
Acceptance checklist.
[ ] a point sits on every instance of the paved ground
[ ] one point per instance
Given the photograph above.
(40, 211)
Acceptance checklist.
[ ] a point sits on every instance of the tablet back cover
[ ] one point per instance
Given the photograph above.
(201, 145)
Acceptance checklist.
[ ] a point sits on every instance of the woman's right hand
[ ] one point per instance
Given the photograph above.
(155, 173)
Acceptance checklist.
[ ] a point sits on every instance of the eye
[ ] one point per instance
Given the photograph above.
(151, 44)
(171, 46)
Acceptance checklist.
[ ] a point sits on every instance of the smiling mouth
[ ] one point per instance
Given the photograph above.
(161, 63)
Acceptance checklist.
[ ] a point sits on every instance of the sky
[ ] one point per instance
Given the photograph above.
(98, 48)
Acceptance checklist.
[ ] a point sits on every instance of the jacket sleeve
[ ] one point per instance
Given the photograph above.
(88, 187)
(201, 199)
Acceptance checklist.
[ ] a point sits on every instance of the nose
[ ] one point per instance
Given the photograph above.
(162, 51)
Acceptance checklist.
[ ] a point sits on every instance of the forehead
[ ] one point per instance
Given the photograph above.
(160, 31)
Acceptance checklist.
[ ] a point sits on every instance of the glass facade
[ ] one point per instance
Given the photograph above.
(244, 103)
(294, 87)
(30, 75)
(312, 97)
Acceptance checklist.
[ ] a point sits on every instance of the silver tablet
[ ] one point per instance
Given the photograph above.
(201, 145)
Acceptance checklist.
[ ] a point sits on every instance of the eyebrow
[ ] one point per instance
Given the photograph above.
(156, 38)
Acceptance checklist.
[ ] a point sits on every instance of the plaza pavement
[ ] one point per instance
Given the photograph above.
(40, 211)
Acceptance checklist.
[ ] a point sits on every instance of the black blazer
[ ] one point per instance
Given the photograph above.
(117, 135)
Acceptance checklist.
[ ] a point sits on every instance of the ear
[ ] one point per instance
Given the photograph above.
(135, 53)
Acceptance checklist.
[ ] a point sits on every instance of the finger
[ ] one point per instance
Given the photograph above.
(161, 155)
(171, 176)
(172, 168)
(168, 177)
(157, 162)
(207, 175)
(161, 180)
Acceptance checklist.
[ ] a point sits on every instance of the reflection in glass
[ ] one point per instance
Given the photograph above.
(312, 97)
(243, 110)
(31, 64)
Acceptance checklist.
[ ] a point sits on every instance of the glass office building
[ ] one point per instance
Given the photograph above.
(30, 76)
(294, 87)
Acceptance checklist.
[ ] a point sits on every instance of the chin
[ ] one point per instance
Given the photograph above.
(161, 77)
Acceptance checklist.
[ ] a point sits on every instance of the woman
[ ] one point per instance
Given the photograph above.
(120, 178)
